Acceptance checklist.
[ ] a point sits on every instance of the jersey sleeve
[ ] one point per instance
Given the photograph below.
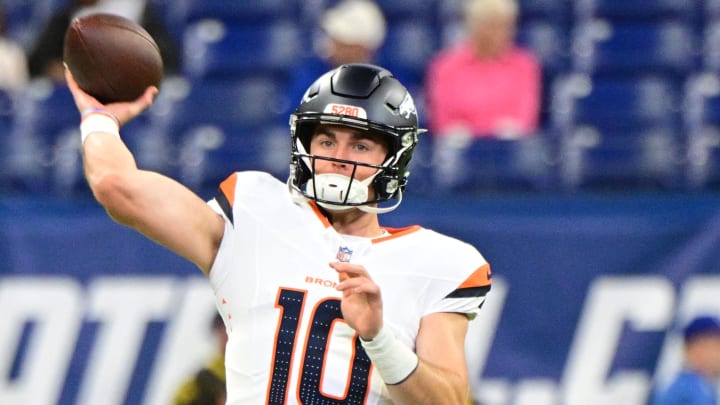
(224, 199)
(240, 200)
(465, 282)
(469, 295)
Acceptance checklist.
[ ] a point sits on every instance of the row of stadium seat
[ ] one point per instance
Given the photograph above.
(628, 96)
(440, 18)
(643, 132)
(215, 50)
(221, 38)
(23, 16)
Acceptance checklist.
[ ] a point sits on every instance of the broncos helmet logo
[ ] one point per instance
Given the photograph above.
(407, 107)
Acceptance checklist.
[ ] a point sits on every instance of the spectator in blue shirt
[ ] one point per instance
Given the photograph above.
(696, 383)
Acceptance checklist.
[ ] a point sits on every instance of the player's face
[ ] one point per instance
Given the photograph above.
(493, 35)
(340, 142)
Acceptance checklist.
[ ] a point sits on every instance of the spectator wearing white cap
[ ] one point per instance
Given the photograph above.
(350, 32)
(354, 30)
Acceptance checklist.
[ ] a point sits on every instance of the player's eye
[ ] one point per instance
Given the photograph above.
(362, 147)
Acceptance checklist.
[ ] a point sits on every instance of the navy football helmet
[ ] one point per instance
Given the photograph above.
(361, 96)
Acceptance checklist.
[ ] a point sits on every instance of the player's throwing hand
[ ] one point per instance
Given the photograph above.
(123, 111)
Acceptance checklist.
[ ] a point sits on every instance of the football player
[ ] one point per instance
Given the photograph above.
(322, 304)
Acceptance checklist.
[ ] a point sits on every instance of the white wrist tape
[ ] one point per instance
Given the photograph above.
(394, 361)
(98, 121)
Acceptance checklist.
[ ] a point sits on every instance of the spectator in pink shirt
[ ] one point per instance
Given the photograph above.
(485, 85)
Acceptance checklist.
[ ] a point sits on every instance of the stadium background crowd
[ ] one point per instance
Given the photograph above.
(629, 96)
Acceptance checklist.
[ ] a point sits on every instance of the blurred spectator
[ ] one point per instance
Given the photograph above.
(352, 32)
(13, 63)
(696, 383)
(46, 55)
(485, 85)
(207, 386)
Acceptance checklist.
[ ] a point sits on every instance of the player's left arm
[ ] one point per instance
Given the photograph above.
(441, 376)
(436, 373)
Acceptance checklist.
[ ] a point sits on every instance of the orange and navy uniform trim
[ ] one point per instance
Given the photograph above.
(393, 232)
(396, 233)
(319, 213)
(226, 196)
(477, 285)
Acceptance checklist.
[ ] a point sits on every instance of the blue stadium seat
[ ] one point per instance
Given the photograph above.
(24, 19)
(605, 48)
(702, 124)
(711, 46)
(45, 109)
(168, 13)
(421, 180)
(549, 43)
(251, 101)
(18, 18)
(236, 12)
(557, 12)
(618, 132)
(404, 10)
(482, 165)
(636, 10)
(622, 104)
(592, 161)
(711, 9)
(407, 51)
(183, 106)
(213, 49)
(7, 110)
(7, 107)
(44, 137)
(210, 153)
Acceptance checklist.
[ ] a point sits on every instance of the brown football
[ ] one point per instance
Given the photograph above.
(112, 58)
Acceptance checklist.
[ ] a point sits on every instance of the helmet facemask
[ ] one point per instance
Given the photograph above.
(337, 192)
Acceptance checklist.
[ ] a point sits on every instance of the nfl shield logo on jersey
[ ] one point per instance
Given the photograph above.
(344, 254)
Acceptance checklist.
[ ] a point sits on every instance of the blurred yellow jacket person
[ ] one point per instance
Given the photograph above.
(207, 386)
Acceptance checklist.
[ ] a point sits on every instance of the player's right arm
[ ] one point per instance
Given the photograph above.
(155, 205)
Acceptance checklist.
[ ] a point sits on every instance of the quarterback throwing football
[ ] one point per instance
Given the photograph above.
(322, 304)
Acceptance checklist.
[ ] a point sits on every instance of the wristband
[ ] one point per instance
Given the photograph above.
(97, 120)
(394, 361)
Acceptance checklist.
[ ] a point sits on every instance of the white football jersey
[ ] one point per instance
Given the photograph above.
(288, 343)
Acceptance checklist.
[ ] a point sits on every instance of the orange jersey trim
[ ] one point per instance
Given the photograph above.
(397, 232)
(394, 232)
(477, 285)
(228, 188)
(319, 214)
(480, 278)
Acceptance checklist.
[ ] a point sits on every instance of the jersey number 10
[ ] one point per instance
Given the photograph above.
(291, 302)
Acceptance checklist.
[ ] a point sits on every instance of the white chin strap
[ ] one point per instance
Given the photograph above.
(334, 187)
(377, 210)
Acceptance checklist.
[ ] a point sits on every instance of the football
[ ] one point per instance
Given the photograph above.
(112, 58)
